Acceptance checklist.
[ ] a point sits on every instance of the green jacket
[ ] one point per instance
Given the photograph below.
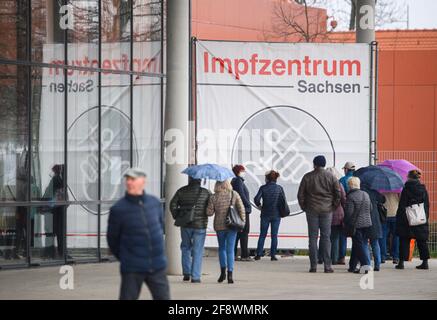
(187, 195)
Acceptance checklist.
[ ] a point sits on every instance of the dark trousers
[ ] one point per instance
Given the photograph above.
(243, 237)
(404, 249)
(157, 283)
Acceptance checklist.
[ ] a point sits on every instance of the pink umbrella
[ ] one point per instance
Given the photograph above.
(400, 166)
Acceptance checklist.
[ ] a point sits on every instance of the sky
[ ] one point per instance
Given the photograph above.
(422, 13)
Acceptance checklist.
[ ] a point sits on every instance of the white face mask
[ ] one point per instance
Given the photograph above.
(242, 174)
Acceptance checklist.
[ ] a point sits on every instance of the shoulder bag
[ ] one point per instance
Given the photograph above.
(233, 219)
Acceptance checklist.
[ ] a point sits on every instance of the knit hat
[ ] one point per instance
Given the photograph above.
(319, 161)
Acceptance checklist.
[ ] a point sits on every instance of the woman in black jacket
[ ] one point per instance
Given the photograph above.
(414, 192)
(243, 236)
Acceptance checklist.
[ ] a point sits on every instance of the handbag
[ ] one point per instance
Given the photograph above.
(184, 214)
(416, 214)
(233, 219)
(284, 210)
(382, 210)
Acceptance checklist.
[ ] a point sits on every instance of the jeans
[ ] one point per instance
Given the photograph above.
(274, 223)
(243, 236)
(320, 221)
(342, 247)
(193, 242)
(391, 231)
(335, 243)
(383, 241)
(376, 251)
(157, 283)
(226, 241)
(360, 249)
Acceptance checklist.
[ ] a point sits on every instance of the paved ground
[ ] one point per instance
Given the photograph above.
(287, 278)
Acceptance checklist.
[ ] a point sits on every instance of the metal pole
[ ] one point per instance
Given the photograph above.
(365, 21)
(176, 117)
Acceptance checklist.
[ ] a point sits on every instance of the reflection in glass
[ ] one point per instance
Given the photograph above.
(13, 24)
(13, 224)
(81, 232)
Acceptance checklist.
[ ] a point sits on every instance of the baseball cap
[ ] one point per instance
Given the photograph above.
(349, 165)
(134, 173)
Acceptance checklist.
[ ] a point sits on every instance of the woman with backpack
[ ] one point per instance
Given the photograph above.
(219, 205)
(414, 193)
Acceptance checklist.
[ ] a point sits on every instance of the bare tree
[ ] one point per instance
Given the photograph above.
(386, 12)
(298, 22)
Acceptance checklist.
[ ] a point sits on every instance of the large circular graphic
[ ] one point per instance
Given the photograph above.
(83, 157)
(283, 138)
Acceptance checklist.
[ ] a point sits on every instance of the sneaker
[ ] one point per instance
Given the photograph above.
(257, 258)
(329, 270)
(248, 259)
(341, 261)
(395, 261)
(400, 267)
(313, 270)
(376, 269)
(195, 281)
(273, 258)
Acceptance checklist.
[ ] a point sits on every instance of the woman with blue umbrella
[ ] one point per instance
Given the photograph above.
(375, 178)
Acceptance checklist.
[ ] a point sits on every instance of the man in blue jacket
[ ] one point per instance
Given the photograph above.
(135, 237)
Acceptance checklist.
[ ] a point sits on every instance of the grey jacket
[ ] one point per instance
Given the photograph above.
(358, 207)
(319, 192)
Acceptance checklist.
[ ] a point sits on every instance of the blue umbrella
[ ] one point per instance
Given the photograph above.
(209, 171)
(379, 178)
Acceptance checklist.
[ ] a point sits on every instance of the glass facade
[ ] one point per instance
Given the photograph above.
(81, 87)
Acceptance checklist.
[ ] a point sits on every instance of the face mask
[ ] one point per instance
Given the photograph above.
(242, 174)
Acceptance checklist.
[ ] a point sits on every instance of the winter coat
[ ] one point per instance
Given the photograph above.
(338, 214)
(344, 180)
(270, 195)
(357, 208)
(319, 192)
(218, 205)
(135, 234)
(239, 186)
(413, 192)
(187, 195)
(376, 198)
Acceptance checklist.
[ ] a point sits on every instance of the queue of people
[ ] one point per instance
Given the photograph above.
(336, 208)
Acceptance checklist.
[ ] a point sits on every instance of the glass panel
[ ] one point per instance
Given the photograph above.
(116, 34)
(147, 130)
(84, 36)
(115, 150)
(48, 165)
(82, 232)
(13, 24)
(14, 133)
(47, 233)
(48, 30)
(147, 36)
(13, 225)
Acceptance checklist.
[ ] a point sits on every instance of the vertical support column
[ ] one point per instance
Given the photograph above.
(365, 33)
(365, 21)
(176, 118)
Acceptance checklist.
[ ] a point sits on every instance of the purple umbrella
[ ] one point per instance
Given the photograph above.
(400, 166)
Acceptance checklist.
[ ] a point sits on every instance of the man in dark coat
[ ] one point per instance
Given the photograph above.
(414, 192)
(319, 195)
(242, 236)
(193, 234)
(135, 237)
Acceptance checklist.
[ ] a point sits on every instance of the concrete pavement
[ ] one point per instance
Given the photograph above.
(287, 278)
